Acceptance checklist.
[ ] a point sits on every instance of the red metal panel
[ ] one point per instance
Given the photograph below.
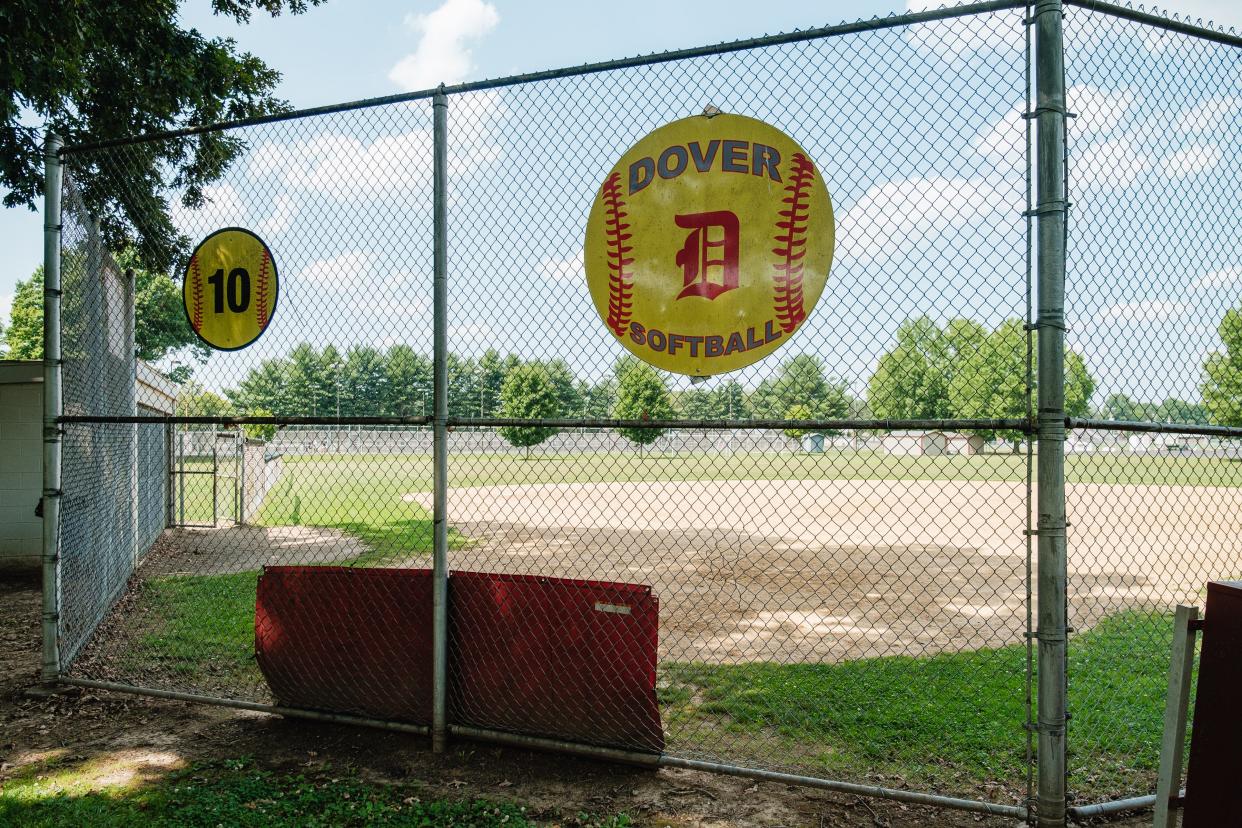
(347, 639)
(567, 659)
(1216, 740)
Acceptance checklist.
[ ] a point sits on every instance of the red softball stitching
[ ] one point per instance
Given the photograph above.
(787, 280)
(620, 279)
(261, 292)
(196, 290)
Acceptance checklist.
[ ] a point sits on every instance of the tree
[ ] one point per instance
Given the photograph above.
(528, 393)
(364, 382)
(25, 332)
(492, 370)
(409, 382)
(801, 383)
(598, 399)
(96, 71)
(697, 404)
(1121, 407)
(797, 412)
(1222, 382)
(160, 326)
(463, 387)
(266, 387)
(731, 401)
(260, 431)
(311, 390)
(641, 395)
(912, 381)
(195, 401)
(1173, 410)
(989, 382)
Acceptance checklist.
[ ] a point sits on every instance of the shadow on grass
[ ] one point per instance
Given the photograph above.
(119, 790)
(947, 721)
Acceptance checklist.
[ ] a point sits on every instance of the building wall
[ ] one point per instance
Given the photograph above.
(21, 462)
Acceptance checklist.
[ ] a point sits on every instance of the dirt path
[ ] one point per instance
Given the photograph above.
(125, 736)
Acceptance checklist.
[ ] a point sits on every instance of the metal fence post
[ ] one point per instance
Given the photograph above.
(1050, 212)
(439, 714)
(51, 407)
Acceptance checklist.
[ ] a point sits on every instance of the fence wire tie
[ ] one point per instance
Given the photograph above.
(1057, 206)
(1056, 326)
(1040, 110)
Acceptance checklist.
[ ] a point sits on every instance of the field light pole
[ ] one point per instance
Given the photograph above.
(1050, 215)
(439, 566)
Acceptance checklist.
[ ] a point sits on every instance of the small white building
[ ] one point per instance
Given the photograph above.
(911, 443)
(931, 443)
(21, 462)
(21, 459)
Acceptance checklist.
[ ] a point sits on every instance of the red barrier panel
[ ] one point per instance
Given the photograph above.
(347, 639)
(568, 659)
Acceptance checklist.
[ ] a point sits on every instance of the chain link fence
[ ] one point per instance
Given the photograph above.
(819, 565)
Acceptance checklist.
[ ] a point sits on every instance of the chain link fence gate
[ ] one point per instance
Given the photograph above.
(857, 611)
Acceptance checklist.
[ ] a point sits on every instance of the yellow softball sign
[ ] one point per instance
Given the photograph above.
(709, 243)
(230, 289)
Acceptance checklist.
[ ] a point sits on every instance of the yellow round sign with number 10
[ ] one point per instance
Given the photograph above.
(230, 289)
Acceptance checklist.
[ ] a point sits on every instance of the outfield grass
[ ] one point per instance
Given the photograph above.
(951, 720)
(234, 793)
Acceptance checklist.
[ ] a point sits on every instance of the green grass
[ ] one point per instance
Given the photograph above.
(198, 627)
(235, 793)
(330, 484)
(950, 716)
(941, 720)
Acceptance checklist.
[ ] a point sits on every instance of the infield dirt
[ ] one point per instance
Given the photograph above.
(833, 570)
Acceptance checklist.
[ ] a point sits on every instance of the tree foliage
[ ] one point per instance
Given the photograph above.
(194, 401)
(101, 71)
(529, 392)
(25, 332)
(641, 395)
(160, 326)
(1222, 383)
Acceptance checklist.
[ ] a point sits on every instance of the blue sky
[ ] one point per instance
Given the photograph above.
(917, 131)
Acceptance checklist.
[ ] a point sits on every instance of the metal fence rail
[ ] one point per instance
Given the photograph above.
(855, 562)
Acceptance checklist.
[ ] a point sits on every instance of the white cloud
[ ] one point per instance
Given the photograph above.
(1209, 116)
(1109, 164)
(897, 214)
(347, 168)
(569, 269)
(1221, 13)
(964, 35)
(1097, 110)
(222, 207)
(342, 166)
(1147, 311)
(1191, 160)
(280, 218)
(337, 273)
(471, 333)
(442, 55)
(1228, 277)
